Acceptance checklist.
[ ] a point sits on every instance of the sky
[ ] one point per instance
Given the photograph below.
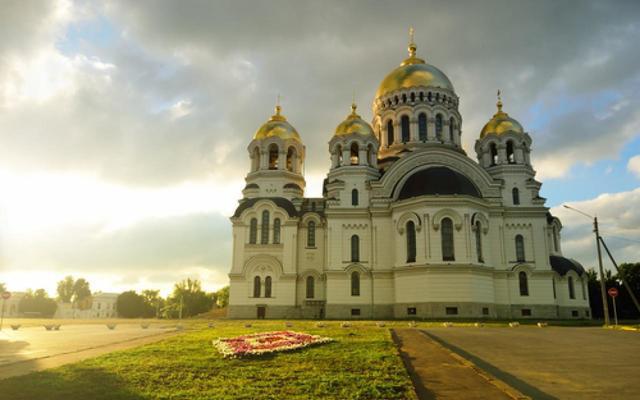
(124, 125)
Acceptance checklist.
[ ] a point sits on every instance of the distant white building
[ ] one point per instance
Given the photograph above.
(11, 305)
(103, 305)
(409, 225)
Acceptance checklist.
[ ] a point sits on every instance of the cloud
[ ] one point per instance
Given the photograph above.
(178, 86)
(156, 251)
(619, 222)
(634, 165)
(154, 103)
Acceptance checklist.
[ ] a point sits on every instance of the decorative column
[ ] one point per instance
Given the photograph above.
(502, 153)
(346, 156)
(334, 160)
(397, 138)
(413, 130)
(362, 156)
(431, 129)
(264, 159)
(282, 160)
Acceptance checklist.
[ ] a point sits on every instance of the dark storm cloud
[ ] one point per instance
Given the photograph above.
(229, 59)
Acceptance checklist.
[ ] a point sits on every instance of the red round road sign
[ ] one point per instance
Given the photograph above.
(613, 292)
(6, 295)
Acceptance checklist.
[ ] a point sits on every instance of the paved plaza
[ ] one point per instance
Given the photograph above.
(553, 362)
(33, 348)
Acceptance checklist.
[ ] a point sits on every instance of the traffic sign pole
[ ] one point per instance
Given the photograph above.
(5, 297)
(613, 292)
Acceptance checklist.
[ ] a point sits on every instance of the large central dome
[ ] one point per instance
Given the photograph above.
(414, 72)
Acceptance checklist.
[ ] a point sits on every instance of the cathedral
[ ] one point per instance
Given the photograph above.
(408, 225)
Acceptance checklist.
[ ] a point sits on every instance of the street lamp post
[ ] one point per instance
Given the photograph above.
(603, 290)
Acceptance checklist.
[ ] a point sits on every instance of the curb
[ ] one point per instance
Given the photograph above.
(501, 385)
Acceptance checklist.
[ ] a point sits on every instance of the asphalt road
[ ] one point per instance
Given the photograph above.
(34, 348)
(552, 363)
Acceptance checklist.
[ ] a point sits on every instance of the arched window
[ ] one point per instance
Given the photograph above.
(396, 100)
(355, 248)
(354, 153)
(429, 96)
(253, 231)
(291, 159)
(479, 242)
(511, 159)
(422, 127)
(267, 286)
(411, 242)
(355, 283)
(276, 231)
(494, 154)
(339, 150)
(446, 231)
(439, 126)
(452, 125)
(311, 234)
(520, 248)
(311, 286)
(555, 238)
(256, 286)
(413, 97)
(404, 98)
(389, 133)
(421, 96)
(524, 284)
(515, 194)
(264, 229)
(273, 156)
(572, 290)
(404, 122)
(354, 197)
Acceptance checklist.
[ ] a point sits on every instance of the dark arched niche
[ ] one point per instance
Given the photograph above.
(437, 180)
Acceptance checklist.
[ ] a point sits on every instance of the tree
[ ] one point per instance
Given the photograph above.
(222, 297)
(82, 294)
(189, 296)
(153, 302)
(131, 305)
(76, 292)
(631, 275)
(65, 289)
(3, 287)
(37, 302)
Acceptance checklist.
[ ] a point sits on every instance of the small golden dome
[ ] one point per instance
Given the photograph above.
(277, 126)
(501, 123)
(354, 125)
(413, 72)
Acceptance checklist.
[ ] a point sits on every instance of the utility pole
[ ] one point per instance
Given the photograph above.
(603, 289)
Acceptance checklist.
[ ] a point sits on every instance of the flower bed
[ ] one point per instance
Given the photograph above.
(266, 342)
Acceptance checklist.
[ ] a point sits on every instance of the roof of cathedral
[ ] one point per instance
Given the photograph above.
(279, 201)
(563, 265)
(412, 72)
(437, 181)
(354, 125)
(501, 123)
(277, 126)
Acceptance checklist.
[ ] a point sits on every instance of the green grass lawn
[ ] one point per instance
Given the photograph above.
(361, 364)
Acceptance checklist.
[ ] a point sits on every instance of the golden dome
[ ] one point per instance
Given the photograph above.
(501, 123)
(354, 125)
(414, 72)
(277, 126)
